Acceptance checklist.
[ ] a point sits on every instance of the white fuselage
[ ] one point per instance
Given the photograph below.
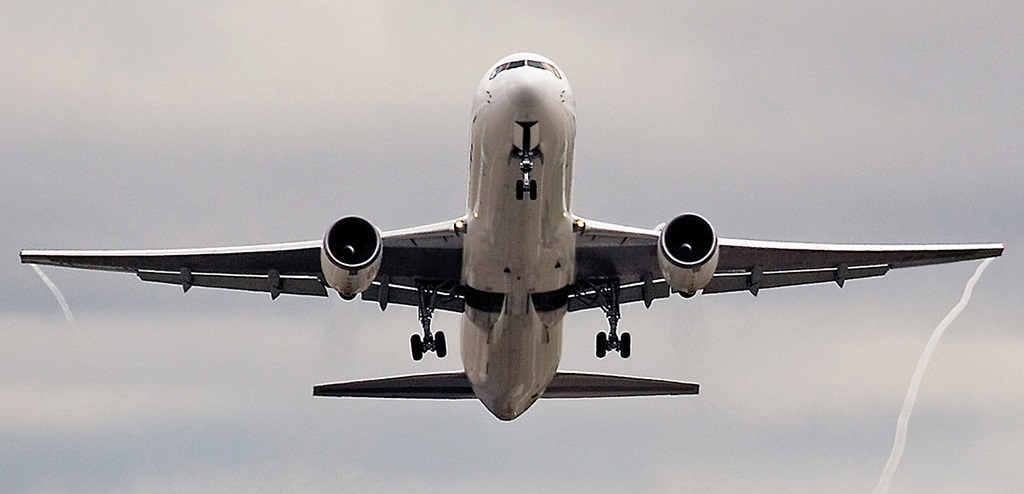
(516, 249)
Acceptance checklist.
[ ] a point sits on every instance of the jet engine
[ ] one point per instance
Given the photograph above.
(688, 253)
(350, 256)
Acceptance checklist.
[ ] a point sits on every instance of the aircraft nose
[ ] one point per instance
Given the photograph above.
(526, 97)
(523, 92)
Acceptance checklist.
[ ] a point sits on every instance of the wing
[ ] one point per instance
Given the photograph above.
(416, 257)
(432, 252)
(629, 255)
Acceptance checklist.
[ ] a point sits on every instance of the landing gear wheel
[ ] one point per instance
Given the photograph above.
(624, 342)
(440, 346)
(602, 344)
(417, 347)
(607, 298)
(524, 188)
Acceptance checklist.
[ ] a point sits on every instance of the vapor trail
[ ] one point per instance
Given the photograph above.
(56, 294)
(915, 383)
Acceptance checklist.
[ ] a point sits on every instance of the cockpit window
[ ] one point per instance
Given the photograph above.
(520, 63)
(544, 66)
(498, 69)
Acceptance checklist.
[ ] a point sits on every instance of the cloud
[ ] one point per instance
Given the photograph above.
(211, 124)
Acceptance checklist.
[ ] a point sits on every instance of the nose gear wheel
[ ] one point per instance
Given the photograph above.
(526, 187)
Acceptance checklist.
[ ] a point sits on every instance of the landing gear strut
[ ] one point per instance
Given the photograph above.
(608, 299)
(429, 342)
(526, 154)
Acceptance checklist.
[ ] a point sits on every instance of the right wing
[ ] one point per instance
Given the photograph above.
(432, 253)
(743, 262)
(629, 256)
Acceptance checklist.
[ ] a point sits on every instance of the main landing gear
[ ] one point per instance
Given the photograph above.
(429, 342)
(608, 299)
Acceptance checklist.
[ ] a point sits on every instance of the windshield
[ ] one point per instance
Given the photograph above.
(525, 63)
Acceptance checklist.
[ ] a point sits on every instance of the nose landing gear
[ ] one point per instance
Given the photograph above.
(429, 342)
(526, 187)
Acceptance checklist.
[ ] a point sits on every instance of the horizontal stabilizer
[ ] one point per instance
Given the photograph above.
(580, 385)
(447, 386)
(455, 386)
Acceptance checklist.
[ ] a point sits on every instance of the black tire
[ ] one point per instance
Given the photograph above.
(519, 190)
(601, 348)
(417, 347)
(533, 190)
(624, 344)
(440, 345)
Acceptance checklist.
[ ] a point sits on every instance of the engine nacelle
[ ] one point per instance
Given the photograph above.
(688, 253)
(350, 257)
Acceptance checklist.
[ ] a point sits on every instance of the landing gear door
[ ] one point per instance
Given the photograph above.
(525, 139)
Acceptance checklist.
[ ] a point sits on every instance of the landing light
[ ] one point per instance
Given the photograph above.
(579, 226)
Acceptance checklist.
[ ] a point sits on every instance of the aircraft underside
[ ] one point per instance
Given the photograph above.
(516, 263)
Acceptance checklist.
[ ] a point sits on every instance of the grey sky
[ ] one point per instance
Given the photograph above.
(193, 124)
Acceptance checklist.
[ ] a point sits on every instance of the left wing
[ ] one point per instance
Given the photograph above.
(432, 252)
(275, 268)
(629, 255)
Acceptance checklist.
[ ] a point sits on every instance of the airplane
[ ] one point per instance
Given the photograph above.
(516, 262)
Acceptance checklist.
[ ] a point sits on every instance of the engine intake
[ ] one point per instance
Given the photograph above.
(688, 253)
(350, 257)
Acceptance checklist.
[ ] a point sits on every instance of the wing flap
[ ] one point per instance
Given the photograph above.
(747, 281)
(628, 293)
(733, 282)
(401, 295)
(275, 285)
